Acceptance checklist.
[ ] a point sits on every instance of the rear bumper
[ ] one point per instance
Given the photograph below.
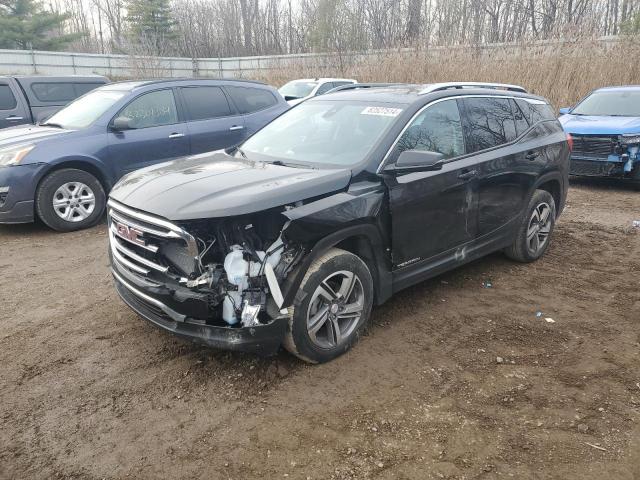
(263, 339)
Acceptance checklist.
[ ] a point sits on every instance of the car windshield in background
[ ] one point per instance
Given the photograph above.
(612, 103)
(297, 89)
(331, 133)
(86, 110)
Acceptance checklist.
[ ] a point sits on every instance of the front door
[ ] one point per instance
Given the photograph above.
(155, 134)
(433, 212)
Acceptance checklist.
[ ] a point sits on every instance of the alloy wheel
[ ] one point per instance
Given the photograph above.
(335, 309)
(539, 228)
(74, 201)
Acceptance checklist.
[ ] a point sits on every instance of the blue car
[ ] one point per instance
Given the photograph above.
(605, 128)
(62, 170)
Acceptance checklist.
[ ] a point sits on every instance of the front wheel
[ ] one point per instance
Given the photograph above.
(70, 199)
(332, 307)
(534, 235)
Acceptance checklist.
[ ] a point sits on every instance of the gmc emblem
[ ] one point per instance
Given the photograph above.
(129, 233)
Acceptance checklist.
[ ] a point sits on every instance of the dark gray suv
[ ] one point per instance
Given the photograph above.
(291, 238)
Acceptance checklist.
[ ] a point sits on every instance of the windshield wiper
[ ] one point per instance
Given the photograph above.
(49, 124)
(242, 154)
(280, 163)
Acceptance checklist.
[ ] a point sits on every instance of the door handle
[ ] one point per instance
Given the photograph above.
(532, 155)
(465, 175)
(14, 117)
(176, 135)
(236, 127)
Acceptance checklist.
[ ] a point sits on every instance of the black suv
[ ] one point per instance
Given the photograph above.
(340, 202)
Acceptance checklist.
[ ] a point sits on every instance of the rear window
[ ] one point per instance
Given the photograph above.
(488, 122)
(205, 102)
(535, 110)
(53, 92)
(249, 99)
(7, 100)
(82, 88)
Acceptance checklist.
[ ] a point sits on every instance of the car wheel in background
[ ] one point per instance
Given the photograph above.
(70, 199)
(331, 309)
(534, 235)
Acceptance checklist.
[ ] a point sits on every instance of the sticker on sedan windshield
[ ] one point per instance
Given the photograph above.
(382, 111)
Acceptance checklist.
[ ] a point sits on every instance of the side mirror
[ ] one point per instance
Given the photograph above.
(565, 110)
(418, 161)
(121, 123)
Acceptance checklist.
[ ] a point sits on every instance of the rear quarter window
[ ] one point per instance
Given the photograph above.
(249, 99)
(535, 110)
(7, 100)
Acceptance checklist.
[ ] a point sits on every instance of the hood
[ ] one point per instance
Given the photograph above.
(218, 185)
(28, 134)
(599, 125)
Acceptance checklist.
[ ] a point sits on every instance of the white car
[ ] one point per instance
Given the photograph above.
(297, 91)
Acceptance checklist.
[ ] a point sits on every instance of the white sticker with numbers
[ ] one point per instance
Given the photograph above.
(382, 111)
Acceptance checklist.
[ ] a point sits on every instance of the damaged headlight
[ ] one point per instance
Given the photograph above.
(14, 155)
(630, 139)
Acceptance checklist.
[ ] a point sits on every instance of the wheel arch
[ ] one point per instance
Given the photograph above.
(552, 183)
(361, 240)
(88, 165)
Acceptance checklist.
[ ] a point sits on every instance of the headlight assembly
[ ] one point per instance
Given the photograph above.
(14, 155)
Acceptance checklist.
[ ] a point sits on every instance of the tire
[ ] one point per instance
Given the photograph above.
(533, 236)
(316, 341)
(79, 197)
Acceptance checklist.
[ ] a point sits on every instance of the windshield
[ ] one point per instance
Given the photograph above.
(332, 133)
(85, 110)
(610, 103)
(297, 89)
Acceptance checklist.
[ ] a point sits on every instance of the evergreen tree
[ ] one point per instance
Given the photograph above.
(24, 24)
(150, 22)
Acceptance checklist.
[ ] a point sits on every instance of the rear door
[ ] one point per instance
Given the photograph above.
(213, 123)
(504, 174)
(12, 109)
(433, 213)
(258, 106)
(157, 133)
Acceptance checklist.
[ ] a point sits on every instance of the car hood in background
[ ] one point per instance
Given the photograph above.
(599, 125)
(28, 134)
(218, 185)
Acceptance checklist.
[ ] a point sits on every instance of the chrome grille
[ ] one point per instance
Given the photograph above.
(137, 240)
(593, 146)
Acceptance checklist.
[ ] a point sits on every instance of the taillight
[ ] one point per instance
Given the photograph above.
(570, 141)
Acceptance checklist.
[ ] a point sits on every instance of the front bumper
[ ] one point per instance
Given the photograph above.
(590, 167)
(264, 339)
(17, 205)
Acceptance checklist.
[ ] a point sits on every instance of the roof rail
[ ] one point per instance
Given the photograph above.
(435, 87)
(355, 86)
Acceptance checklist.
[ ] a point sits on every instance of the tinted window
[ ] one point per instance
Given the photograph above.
(324, 88)
(535, 110)
(437, 129)
(488, 123)
(249, 99)
(82, 88)
(54, 92)
(152, 110)
(521, 122)
(205, 102)
(7, 100)
(339, 84)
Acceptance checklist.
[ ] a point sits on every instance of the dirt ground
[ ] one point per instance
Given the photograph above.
(90, 390)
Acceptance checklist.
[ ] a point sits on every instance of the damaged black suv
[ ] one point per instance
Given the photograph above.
(291, 238)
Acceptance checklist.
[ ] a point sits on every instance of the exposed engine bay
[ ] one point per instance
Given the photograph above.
(240, 264)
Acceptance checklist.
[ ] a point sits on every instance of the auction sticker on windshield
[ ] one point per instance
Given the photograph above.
(382, 111)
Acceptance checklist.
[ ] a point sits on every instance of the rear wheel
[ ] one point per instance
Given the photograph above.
(70, 199)
(332, 308)
(534, 235)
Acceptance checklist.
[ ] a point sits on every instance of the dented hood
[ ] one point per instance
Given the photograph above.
(218, 185)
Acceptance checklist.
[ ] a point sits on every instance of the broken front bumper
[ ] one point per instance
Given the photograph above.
(263, 339)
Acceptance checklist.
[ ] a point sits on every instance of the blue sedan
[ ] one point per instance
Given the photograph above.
(605, 128)
(62, 170)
